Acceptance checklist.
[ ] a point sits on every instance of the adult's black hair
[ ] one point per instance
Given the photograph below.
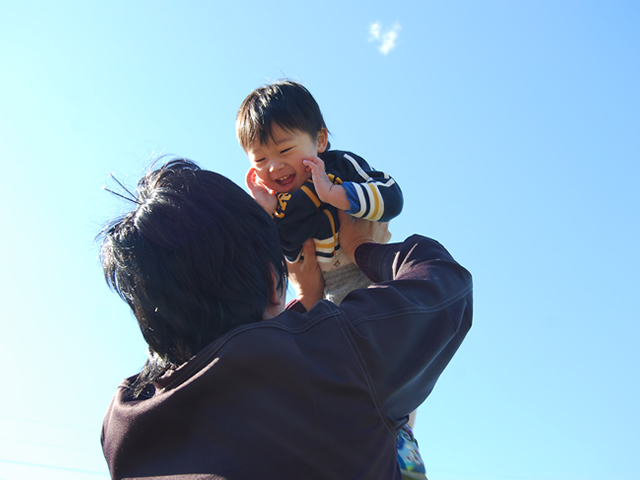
(195, 258)
(285, 103)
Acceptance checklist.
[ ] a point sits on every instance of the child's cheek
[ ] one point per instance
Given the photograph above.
(262, 177)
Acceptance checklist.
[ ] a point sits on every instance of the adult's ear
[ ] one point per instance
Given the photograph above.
(323, 140)
(277, 299)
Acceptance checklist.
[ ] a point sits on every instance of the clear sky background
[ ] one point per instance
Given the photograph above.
(513, 128)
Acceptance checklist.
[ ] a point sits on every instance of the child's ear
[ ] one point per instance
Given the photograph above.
(323, 140)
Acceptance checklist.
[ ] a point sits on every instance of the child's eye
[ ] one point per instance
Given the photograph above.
(259, 160)
(286, 150)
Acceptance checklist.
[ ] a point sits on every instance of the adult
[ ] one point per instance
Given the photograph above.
(237, 387)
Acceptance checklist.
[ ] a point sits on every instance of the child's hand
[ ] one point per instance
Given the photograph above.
(261, 194)
(329, 193)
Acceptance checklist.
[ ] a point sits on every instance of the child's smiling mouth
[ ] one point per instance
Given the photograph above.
(286, 181)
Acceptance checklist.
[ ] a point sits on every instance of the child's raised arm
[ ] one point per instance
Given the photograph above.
(327, 191)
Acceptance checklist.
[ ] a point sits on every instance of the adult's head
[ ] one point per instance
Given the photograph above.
(195, 258)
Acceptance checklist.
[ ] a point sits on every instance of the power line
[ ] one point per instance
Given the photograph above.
(48, 445)
(53, 467)
(44, 422)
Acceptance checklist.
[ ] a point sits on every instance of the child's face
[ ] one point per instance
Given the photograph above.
(278, 164)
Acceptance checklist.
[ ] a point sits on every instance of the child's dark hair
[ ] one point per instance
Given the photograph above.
(285, 103)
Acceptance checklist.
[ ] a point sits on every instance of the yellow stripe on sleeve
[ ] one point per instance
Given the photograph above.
(376, 201)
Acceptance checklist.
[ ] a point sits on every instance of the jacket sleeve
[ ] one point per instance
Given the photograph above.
(373, 195)
(408, 326)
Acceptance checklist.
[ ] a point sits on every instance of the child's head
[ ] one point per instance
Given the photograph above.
(278, 126)
(284, 103)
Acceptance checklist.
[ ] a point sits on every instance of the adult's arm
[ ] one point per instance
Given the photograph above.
(409, 325)
(306, 277)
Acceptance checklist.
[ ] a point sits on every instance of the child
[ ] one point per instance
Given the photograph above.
(301, 182)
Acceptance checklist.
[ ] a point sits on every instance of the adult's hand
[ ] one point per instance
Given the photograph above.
(355, 231)
(306, 277)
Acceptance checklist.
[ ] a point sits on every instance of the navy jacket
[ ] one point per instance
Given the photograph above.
(300, 215)
(306, 395)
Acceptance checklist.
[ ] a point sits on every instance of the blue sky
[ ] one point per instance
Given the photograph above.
(512, 127)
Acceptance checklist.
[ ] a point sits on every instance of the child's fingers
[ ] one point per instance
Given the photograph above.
(315, 165)
(314, 161)
(255, 189)
(250, 179)
(254, 183)
(310, 167)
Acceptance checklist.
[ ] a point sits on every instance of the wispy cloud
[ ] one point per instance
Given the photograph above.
(385, 37)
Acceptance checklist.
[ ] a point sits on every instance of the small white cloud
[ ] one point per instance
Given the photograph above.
(386, 39)
(374, 31)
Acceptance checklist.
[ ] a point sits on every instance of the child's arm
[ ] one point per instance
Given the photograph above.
(370, 194)
(327, 191)
(261, 194)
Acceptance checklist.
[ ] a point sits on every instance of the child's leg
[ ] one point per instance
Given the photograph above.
(338, 283)
(409, 458)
